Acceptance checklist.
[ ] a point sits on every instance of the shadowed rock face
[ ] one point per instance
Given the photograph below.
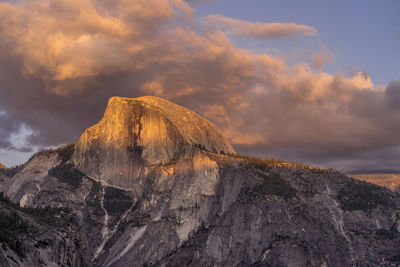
(137, 133)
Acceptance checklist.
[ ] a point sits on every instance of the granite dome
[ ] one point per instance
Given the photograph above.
(135, 133)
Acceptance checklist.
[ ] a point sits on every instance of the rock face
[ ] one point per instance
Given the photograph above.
(135, 134)
(195, 207)
(2, 166)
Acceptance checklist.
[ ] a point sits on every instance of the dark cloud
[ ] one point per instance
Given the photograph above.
(392, 94)
(8, 126)
(56, 79)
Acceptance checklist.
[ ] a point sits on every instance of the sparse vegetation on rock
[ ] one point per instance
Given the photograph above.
(274, 185)
(360, 195)
(67, 173)
(12, 228)
(10, 172)
(116, 201)
(65, 152)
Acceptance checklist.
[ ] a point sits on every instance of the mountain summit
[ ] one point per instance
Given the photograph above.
(136, 133)
(149, 186)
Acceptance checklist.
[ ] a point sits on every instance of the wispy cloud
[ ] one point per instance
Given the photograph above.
(260, 30)
(320, 58)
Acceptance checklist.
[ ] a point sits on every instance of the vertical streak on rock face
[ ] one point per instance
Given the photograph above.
(105, 230)
(206, 168)
(137, 133)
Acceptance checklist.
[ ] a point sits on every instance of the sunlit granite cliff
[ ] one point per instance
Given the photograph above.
(136, 133)
(154, 184)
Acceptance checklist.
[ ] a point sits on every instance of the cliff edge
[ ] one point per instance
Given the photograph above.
(136, 133)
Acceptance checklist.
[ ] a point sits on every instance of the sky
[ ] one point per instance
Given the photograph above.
(311, 81)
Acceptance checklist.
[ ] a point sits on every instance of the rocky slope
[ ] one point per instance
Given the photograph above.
(389, 180)
(190, 204)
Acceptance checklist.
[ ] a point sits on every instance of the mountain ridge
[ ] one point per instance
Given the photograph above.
(201, 208)
(366, 171)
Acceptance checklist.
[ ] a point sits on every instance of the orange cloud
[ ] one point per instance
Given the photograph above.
(320, 58)
(62, 40)
(361, 81)
(260, 30)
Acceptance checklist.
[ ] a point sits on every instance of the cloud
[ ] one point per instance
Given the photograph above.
(260, 30)
(63, 40)
(12, 134)
(392, 94)
(61, 60)
(8, 126)
(320, 58)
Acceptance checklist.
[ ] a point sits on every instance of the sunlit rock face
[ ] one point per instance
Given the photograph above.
(2, 166)
(140, 132)
(178, 204)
